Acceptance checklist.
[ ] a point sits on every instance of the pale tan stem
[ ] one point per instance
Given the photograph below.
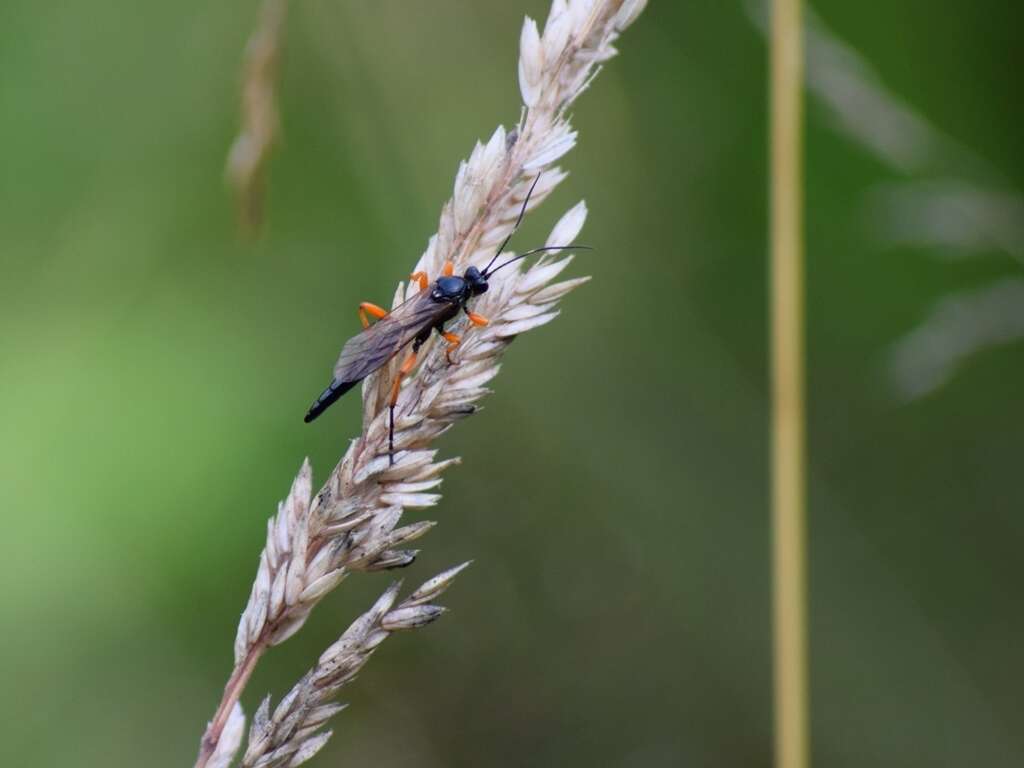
(232, 693)
(788, 439)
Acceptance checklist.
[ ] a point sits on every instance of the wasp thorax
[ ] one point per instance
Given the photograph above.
(449, 288)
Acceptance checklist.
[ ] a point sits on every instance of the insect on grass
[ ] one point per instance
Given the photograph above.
(412, 322)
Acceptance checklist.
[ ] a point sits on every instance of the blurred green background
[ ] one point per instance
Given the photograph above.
(155, 369)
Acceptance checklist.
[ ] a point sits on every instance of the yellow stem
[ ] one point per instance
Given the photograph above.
(788, 449)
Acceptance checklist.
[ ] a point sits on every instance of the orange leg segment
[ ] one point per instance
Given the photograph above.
(448, 269)
(407, 366)
(368, 308)
(421, 278)
(453, 341)
(476, 319)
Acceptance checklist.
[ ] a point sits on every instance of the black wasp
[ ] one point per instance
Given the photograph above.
(412, 322)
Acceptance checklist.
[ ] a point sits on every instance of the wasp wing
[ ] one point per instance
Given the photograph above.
(369, 350)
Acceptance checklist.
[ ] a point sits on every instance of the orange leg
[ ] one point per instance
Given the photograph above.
(407, 366)
(421, 278)
(453, 341)
(373, 309)
(448, 269)
(476, 319)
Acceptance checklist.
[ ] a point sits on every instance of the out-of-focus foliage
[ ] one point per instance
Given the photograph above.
(949, 200)
(156, 369)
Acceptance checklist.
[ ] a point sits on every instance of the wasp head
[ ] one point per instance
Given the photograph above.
(476, 281)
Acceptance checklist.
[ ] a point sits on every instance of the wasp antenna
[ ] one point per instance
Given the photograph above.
(519, 220)
(542, 249)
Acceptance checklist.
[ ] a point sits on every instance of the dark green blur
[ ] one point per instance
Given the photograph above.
(154, 370)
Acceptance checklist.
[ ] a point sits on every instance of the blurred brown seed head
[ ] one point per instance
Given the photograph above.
(246, 168)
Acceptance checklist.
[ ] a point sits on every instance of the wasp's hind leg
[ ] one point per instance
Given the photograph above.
(366, 308)
(407, 365)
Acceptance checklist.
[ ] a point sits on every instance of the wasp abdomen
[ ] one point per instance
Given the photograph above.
(327, 398)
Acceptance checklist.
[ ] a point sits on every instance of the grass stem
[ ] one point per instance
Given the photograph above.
(788, 435)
